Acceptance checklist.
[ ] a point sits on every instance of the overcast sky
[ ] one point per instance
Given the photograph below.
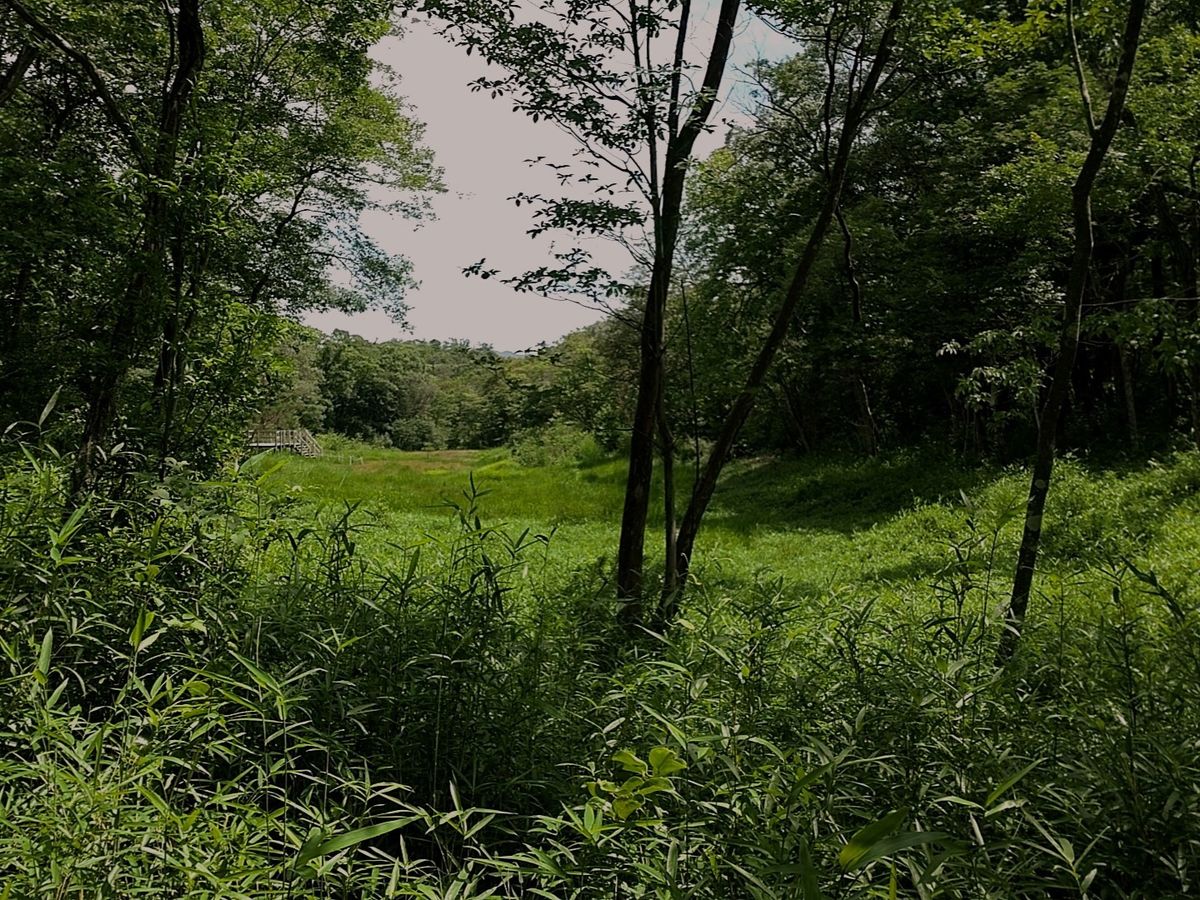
(482, 145)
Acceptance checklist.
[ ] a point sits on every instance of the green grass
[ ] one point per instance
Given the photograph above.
(244, 688)
(882, 527)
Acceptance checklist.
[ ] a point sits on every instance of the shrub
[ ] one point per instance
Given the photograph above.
(557, 444)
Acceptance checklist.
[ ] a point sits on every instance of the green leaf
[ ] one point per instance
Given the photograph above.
(654, 785)
(43, 663)
(315, 848)
(263, 679)
(547, 862)
(628, 761)
(868, 836)
(664, 761)
(624, 807)
(809, 888)
(308, 848)
(886, 847)
(1010, 781)
(144, 619)
(49, 407)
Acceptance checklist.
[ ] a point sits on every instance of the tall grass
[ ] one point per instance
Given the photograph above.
(213, 690)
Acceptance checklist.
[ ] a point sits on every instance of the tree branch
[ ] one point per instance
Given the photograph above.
(16, 73)
(118, 118)
(1077, 61)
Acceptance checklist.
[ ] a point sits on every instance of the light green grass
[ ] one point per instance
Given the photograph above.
(874, 527)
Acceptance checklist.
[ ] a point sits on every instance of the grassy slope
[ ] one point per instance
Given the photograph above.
(874, 526)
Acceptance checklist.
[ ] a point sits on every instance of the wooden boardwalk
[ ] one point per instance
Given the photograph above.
(296, 440)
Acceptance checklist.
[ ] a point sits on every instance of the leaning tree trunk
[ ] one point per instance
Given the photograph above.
(631, 549)
(706, 485)
(1068, 341)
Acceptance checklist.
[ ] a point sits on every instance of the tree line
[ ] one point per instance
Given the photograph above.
(431, 395)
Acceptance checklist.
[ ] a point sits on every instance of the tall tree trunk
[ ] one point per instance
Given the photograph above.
(1185, 248)
(139, 303)
(1129, 395)
(1068, 342)
(1118, 295)
(631, 548)
(706, 485)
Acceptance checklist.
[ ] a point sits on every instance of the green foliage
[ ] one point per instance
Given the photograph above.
(417, 395)
(388, 672)
(556, 445)
(958, 206)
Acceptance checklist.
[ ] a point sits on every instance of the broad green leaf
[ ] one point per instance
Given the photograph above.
(865, 838)
(624, 807)
(628, 761)
(664, 761)
(316, 848)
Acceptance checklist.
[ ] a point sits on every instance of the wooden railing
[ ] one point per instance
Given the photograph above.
(297, 440)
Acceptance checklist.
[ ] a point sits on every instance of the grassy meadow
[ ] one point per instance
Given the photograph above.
(879, 528)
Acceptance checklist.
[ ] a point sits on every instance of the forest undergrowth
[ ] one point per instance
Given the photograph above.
(226, 690)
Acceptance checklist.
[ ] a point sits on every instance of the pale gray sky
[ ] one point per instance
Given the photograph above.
(481, 143)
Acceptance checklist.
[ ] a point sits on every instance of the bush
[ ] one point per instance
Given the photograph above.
(557, 444)
(415, 434)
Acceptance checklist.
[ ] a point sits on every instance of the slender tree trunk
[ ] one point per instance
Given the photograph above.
(790, 406)
(1118, 295)
(631, 547)
(667, 452)
(1185, 248)
(856, 114)
(1129, 396)
(1068, 342)
(176, 328)
(866, 424)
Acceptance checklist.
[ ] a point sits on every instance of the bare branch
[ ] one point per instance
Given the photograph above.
(1077, 61)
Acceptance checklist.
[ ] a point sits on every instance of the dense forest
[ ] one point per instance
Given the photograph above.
(851, 551)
